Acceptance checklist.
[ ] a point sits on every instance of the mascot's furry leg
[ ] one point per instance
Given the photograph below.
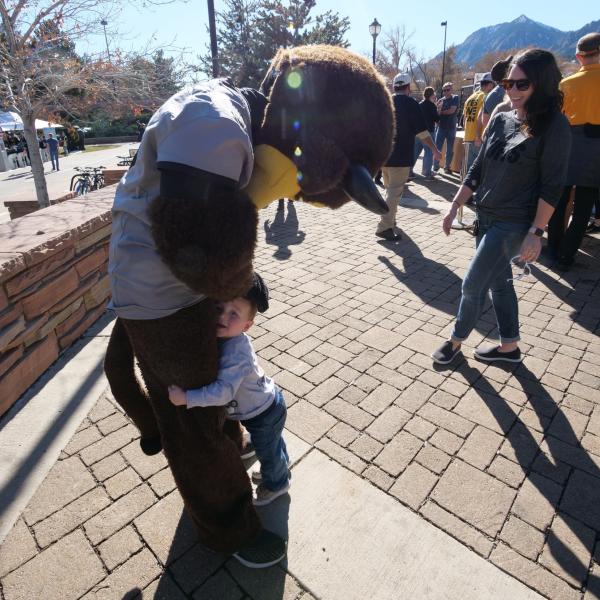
(125, 387)
(204, 460)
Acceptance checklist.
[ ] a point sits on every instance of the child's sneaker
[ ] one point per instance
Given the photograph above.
(248, 450)
(256, 476)
(265, 496)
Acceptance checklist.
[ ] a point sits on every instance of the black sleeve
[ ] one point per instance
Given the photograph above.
(554, 159)
(416, 118)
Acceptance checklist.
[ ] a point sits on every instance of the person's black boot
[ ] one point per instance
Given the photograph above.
(265, 550)
(151, 445)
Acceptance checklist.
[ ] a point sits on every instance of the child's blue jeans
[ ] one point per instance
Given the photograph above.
(266, 432)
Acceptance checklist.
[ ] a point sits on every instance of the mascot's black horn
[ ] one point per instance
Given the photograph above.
(360, 187)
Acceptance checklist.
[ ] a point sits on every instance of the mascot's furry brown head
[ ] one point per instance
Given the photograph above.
(324, 128)
(328, 109)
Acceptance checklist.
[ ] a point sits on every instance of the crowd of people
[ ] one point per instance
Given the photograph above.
(50, 146)
(531, 164)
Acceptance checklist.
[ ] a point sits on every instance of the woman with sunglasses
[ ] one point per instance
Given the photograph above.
(516, 181)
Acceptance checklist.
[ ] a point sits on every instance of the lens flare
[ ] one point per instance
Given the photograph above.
(297, 151)
(297, 125)
(299, 176)
(294, 80)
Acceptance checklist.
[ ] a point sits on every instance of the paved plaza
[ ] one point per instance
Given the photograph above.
(469, 482)
(17, 184)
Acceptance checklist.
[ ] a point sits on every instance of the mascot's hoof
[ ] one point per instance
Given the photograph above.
(151, 445)
(265, 550)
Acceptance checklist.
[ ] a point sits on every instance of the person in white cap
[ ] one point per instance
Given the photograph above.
(410, 123)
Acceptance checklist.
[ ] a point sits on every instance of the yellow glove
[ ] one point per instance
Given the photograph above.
(274, 176)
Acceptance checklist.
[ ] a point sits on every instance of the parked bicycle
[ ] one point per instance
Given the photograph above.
(87, 179)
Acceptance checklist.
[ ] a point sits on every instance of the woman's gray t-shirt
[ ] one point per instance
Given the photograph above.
(513, 170)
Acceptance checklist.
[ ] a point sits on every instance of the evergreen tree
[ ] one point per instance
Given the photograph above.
(249, 33)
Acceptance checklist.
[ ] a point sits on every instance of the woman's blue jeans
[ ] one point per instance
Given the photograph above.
(490, 269)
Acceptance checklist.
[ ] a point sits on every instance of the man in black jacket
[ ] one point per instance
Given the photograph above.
(410, 123)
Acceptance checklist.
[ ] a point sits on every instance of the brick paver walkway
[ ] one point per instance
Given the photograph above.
(506, 460)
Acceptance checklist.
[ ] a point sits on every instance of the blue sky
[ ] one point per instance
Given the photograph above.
(184, 23)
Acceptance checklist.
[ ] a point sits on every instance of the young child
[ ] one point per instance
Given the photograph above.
(249, 395)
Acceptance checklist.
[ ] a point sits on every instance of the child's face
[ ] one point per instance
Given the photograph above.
(234, 317)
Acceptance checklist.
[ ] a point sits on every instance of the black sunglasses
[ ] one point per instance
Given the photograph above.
(522, 84)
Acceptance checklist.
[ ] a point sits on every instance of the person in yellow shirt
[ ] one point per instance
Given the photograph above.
(472, 123)
(582, 107)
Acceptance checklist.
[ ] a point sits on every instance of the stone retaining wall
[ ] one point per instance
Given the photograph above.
(20, 208)
(53, 285)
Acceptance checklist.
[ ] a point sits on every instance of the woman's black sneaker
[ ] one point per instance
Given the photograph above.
(494, 355)
(445, 354)
(265, 550)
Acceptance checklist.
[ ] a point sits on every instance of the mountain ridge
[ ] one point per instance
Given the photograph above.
(520, 33)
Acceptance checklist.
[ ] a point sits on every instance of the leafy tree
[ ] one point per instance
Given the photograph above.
(42, 77)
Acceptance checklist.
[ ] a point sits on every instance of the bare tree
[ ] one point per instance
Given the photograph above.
(393, 58)
(40, 74)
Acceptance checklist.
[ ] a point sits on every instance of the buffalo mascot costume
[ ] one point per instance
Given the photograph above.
(185, 219)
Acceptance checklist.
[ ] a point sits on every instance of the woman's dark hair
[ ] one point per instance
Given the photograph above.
(428, 92)
(547, 99)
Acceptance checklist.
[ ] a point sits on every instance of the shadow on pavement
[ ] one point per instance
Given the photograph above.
(20, 475)
(20, 176)
(565, 474)
(434, 283)
(443, 185)
(284, 232)
(573, 293)
(193, 571)
(411, 200)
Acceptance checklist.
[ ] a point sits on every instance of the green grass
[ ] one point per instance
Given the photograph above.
(101, 147)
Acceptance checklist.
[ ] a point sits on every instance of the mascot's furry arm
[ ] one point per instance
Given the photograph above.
(205, 231)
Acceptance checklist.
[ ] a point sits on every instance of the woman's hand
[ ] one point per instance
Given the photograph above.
(177, 396)
(530, 248)
(449, 218)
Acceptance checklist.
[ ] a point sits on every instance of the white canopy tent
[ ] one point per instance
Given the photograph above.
(11, 121)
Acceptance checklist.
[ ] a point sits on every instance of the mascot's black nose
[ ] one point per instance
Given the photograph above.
(360, 187)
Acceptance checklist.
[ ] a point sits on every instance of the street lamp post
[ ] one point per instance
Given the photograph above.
(374, 30)
(104, 23)
(213, 38)
(444, 24)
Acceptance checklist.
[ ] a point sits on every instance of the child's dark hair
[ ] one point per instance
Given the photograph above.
(258, 295)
